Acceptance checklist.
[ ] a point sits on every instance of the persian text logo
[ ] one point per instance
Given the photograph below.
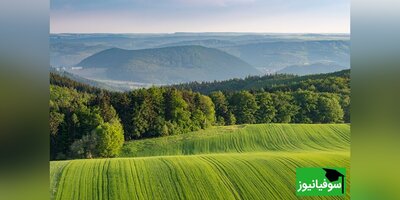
(320, 181)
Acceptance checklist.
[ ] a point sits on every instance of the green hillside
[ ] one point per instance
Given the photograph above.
(246, 138)
(225, 176)
(265, 168)
(168, 65)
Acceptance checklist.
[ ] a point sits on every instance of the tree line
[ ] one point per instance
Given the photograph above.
(301, 106)
(336, 82)
(87, 122)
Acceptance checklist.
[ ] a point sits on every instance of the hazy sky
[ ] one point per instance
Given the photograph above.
(167, 16)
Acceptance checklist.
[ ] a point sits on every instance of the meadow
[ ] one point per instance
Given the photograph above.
(232, 162)
(246, 138)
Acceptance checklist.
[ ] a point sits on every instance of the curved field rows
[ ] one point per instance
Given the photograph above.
(235, 162)
(246, 138)
(56, 169)
(214, 176)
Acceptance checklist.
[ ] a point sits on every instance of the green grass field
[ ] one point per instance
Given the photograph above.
(235, 162)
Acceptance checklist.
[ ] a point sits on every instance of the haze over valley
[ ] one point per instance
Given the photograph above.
(141, 60)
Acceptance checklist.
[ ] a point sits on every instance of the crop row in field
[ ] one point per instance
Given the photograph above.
(268, 175)
(246, 138)
(233, 162)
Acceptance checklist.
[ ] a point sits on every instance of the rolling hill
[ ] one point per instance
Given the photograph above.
(168, 65)
(245, 138)
(315, 68)
(237, 162)
(273, 56)
(267, 52)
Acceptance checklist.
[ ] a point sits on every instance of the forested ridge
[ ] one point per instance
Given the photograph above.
(336, 82)
(88, 122)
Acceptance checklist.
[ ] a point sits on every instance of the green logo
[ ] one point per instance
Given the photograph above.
(320, 181)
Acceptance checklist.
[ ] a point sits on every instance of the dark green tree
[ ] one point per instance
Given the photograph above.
(122, 102)
(345, 104)
(244, 107)
(285, 107)
(307, 103)
(177, 111)
(329, 109)
(221, 108)
(266, 111)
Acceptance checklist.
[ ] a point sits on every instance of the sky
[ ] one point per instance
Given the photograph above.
(169, 16)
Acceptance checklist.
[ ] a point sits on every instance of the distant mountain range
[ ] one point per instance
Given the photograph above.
(214, 43)
(315, 68)
(168, 65)
(181, 57)
(273, 56)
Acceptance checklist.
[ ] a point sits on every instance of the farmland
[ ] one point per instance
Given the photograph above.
(232, 162)
(246, 138)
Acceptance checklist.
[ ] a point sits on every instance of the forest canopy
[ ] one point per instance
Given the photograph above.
(88, 122)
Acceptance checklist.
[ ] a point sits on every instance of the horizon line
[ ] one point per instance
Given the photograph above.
(322, 33)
